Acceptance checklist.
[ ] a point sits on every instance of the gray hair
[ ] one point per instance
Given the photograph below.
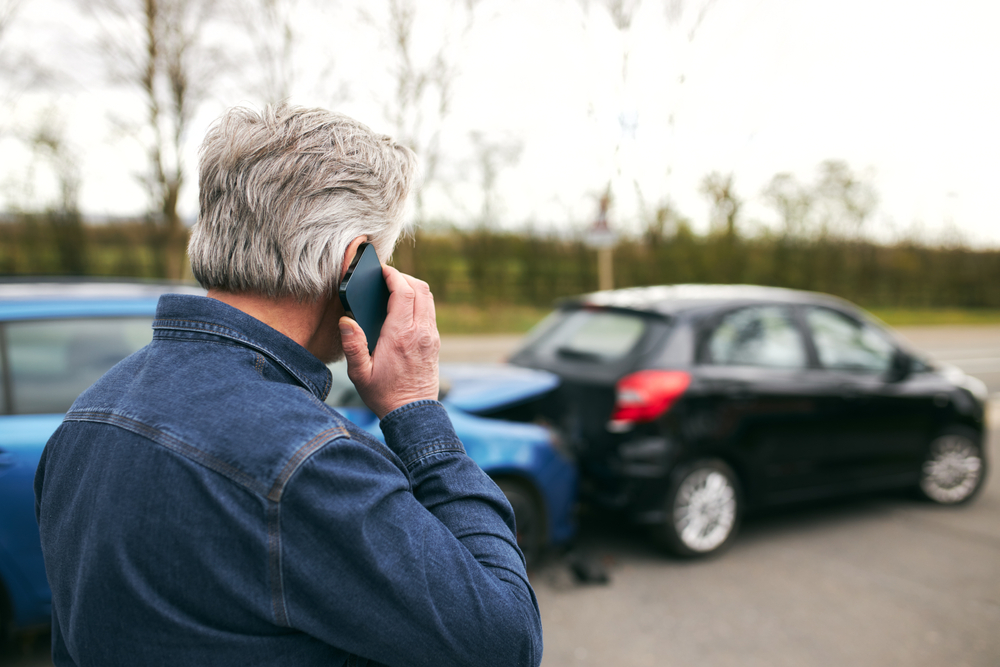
(284, 192)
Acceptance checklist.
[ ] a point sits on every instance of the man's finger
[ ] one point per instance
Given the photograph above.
(423, 301)
(355, 344)
(400, 297)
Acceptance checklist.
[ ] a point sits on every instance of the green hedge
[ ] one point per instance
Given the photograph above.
(483, 268)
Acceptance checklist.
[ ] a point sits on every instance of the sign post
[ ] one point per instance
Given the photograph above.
(601, 237)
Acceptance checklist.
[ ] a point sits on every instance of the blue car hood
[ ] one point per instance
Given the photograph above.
(482, 388)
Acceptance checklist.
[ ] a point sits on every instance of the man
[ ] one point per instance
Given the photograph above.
(201, 505)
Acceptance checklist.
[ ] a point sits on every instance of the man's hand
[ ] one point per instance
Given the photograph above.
(404, 366)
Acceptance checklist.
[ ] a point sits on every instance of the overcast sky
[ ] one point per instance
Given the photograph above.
(905, 92)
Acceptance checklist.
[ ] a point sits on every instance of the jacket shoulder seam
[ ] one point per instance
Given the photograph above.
(205, 459)
(300, 456)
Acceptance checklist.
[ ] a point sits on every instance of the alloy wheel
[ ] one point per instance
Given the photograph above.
(953, 470)
(705, 509)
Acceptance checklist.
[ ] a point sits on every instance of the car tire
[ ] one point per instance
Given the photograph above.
(528, 518)
(703, 507)
(954, 469)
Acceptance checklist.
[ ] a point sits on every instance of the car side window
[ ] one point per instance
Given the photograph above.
(842, 343)
(53, 361)
(763, 336)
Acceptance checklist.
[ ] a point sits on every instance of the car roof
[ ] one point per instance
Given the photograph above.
(674, 299)
(47, 298)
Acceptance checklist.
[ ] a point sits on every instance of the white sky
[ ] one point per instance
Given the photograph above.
(905, 92)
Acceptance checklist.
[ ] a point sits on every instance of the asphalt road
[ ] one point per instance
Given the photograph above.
(877, 581)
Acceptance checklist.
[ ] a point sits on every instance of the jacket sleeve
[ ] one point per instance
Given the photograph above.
(405, 569)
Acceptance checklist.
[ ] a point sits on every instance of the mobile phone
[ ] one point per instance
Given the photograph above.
(364, 294)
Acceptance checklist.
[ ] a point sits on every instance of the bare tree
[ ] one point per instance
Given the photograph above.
(725, 211)
(682, 16)
(8, 66)
(493, 155)
(792, 200)
(415, 84)
(49, 143)
(423, 80)
(159, 49)
(848, 200)
(278, 34)
(422, 84)
(20, 69)
(271, 27)
(621, 13)
(676, 11)
(8, 11)
(725, 203)
(665, 222)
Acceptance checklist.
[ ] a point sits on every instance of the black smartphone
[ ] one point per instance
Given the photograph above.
(364, 294)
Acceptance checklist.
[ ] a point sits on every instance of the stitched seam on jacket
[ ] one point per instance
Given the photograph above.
(197, 325)
(170, 442)
(273, 511)
(274, 564)
(300, 455)
(415, 405)
(435, 448)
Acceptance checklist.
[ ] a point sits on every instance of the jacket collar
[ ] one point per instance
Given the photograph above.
(181, 312)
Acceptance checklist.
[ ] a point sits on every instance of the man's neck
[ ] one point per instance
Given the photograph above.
(299, 320)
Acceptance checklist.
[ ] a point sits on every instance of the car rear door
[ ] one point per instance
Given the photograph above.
(762, 401)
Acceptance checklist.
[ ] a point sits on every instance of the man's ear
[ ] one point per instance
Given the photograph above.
(349, 254)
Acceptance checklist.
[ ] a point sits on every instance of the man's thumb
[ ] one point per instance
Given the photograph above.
(352, 338)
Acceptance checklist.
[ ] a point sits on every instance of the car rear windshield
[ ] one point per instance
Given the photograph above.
(597, 335)
(48, 363)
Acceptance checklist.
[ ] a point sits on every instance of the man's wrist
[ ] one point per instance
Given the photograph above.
(418, 429)
(385, 409)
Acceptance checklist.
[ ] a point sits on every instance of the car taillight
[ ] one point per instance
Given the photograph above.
(644, 396)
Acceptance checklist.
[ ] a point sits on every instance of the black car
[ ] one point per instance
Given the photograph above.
(690, 404)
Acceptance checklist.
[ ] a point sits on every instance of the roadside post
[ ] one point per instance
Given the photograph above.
(602, 238)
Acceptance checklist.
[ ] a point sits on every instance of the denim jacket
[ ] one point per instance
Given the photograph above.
(201, 505)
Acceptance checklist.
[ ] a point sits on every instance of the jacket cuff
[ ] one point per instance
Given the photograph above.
(419, 429)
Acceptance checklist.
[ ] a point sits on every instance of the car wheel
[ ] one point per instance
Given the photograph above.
(703, 508)
(528, 518)
(954, 469)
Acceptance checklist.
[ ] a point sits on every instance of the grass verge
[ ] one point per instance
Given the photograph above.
(495, 319)
(903, 317)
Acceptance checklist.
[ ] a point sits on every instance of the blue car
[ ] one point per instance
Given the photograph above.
(58, 337)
